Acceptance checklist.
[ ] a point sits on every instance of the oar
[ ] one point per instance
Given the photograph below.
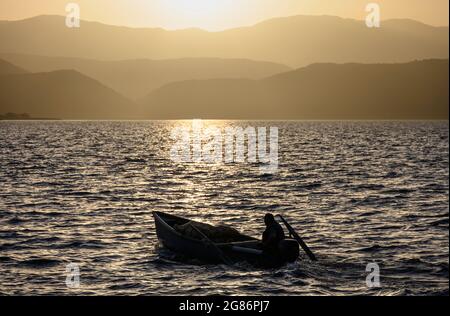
(209, 241)
(299, 240)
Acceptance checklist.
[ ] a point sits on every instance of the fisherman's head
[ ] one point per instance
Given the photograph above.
(269, 219)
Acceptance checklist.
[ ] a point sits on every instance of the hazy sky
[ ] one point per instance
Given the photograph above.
(221, 14)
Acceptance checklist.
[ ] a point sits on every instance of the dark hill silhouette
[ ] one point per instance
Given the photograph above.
(64, 94)
(7, 68)
(416, 90)
(135, 78)
(296, 41)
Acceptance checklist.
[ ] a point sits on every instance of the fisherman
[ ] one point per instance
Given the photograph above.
(272, 235)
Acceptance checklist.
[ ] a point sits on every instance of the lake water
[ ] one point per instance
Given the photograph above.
(359, 193)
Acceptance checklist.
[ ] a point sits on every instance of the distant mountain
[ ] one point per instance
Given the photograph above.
(135, 78)
(63, 94)
(295, 41)
(416, 90)
(7, 68)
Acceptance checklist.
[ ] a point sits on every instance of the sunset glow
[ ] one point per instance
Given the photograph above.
(197, 9)
(216, 15)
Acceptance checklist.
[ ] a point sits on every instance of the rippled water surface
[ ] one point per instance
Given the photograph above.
(83, 192)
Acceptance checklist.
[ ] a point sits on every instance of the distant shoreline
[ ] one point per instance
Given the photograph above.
(23, 117)
(232, 120)
(31, 119)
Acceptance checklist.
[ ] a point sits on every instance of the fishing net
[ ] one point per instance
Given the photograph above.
(218, 234)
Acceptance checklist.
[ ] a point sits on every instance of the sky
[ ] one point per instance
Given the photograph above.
(215, 15)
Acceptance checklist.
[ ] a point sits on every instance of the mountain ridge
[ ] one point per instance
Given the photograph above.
(274, 19)
(7, 68)
(136, 78)
(413, 90)
(64, 94)
(294, 41)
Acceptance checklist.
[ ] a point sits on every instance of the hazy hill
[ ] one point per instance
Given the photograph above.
(135, 78)
(296, 41)
(7, 68)
(63, 94)
(416, 90)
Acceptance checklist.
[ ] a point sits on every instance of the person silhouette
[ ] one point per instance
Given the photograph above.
(272, 235)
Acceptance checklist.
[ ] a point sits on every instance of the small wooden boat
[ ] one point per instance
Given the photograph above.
(240, 248)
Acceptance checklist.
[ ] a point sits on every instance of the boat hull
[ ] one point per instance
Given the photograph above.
(247, 249)
(180, 244)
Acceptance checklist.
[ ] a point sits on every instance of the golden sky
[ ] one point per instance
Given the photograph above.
(221, 14)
